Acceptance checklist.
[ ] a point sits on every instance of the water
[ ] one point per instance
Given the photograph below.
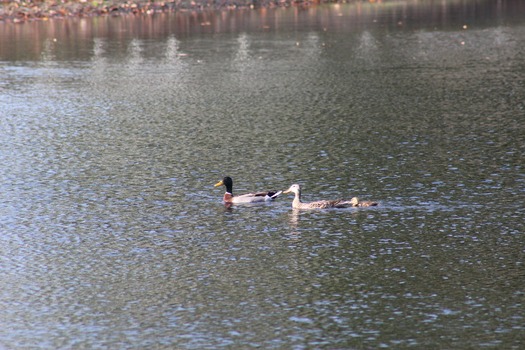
(114, 130)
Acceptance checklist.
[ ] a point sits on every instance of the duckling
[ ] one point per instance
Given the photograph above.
(355, 202)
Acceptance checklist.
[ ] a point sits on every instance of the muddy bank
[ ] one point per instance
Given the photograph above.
(23, 11)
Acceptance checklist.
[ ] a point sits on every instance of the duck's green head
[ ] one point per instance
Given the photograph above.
(226, 182)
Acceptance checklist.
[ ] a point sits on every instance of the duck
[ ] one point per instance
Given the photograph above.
(255, 197)
(356, 202)
(321, 204)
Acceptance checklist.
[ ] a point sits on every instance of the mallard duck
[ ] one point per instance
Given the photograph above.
(255, 197)
(322, 204)
(358, 203)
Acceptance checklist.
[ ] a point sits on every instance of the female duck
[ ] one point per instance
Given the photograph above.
(255, 197)
(322, 204)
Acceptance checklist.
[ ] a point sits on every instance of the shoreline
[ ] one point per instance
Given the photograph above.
(28, 11)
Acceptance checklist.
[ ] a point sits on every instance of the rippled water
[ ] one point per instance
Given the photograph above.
(113, 132)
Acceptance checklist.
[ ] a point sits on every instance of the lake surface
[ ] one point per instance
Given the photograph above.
(113, 132)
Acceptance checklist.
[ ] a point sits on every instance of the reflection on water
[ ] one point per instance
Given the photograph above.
(112, 137)
(30, 40)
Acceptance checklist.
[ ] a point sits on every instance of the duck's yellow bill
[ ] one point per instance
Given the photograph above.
(220, 183)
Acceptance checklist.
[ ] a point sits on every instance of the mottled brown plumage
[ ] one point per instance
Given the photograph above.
(321, 204)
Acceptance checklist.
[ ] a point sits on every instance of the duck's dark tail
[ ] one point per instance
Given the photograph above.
(273, 194)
